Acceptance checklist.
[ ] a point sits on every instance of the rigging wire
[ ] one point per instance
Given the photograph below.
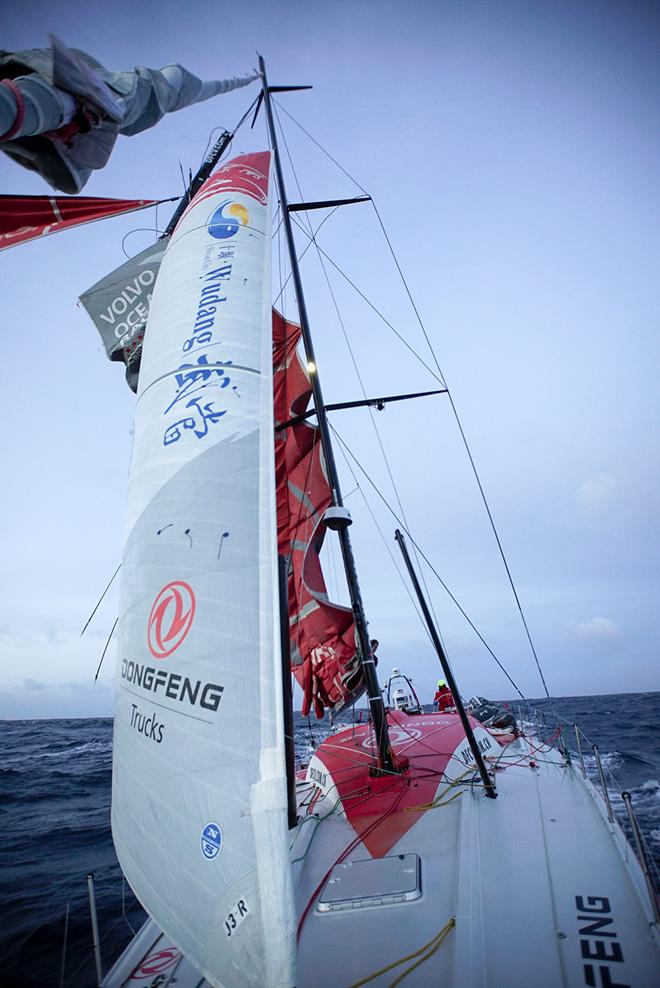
(352, 355)
(388, 547)
(451, 401)
(427, 561)
(499, 544)
(276, 233)
(376, 687)
(233, 132)
(112, 631)
(313, 234)
(291, 165)
(371, 305)
(98, 603)
(303, 252)
(140, 229)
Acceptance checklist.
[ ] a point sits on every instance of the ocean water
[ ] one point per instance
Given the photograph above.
(55, 782)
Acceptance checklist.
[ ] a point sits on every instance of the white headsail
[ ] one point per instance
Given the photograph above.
(199, 788)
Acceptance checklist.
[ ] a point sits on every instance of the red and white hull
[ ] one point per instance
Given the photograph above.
(421, 875)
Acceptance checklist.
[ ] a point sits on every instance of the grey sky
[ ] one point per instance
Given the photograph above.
(512, 149)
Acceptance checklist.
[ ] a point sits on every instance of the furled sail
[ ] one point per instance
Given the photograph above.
(324, 656)
(61, 110)
(199, 809)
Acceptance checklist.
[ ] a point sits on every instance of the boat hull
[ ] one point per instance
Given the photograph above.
(422, 875)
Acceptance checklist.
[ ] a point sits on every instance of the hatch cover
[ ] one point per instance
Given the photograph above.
(372, 882)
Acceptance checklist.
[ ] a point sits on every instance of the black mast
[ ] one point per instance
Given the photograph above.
(342, 518)
(200, 177)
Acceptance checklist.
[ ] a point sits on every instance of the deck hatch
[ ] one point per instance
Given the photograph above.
(372, 882)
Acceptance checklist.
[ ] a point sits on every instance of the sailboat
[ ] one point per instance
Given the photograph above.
(414, 848)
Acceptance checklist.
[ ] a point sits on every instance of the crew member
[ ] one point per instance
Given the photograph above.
(443, 696)
(374, 646)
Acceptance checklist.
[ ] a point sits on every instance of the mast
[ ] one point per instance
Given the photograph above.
(205, 169)
(341, 519)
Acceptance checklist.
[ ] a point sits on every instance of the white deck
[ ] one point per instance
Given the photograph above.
(510, 873)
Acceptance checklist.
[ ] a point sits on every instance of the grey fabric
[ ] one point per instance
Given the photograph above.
(119, 302)
(62, 86)
(45, 107)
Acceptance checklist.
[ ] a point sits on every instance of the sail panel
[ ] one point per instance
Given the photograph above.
(199, 783)
(324, 656)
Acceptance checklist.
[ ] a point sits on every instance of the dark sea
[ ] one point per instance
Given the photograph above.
(55, 781)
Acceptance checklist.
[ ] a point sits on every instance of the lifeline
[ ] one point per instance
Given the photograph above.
(175, 687)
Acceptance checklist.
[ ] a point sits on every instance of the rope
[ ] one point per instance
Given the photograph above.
(435, 803)
(320, 820)
(427, 951)
(344, 854)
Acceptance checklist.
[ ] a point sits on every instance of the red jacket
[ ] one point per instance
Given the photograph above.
(443, 698)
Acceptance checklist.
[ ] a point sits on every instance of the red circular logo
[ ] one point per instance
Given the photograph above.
(155, 963)
(170, 618)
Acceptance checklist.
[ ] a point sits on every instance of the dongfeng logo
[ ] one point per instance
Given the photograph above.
(170, 618)
(156, 963)
(226, 219)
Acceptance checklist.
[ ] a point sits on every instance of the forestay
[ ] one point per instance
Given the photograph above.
(199, 790)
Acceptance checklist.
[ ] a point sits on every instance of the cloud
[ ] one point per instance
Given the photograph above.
(598, 629)
(33, 685)
(34, 699)
(596, 492)
(44, 636)
(85, 687)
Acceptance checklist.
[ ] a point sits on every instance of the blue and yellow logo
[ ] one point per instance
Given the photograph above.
(226, 219)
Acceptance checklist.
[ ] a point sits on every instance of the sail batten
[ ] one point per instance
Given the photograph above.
(199, 743)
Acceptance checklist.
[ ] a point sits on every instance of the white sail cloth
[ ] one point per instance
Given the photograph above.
(199, 783)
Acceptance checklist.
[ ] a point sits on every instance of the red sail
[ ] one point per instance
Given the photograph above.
(27, 217)
(324, 656)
